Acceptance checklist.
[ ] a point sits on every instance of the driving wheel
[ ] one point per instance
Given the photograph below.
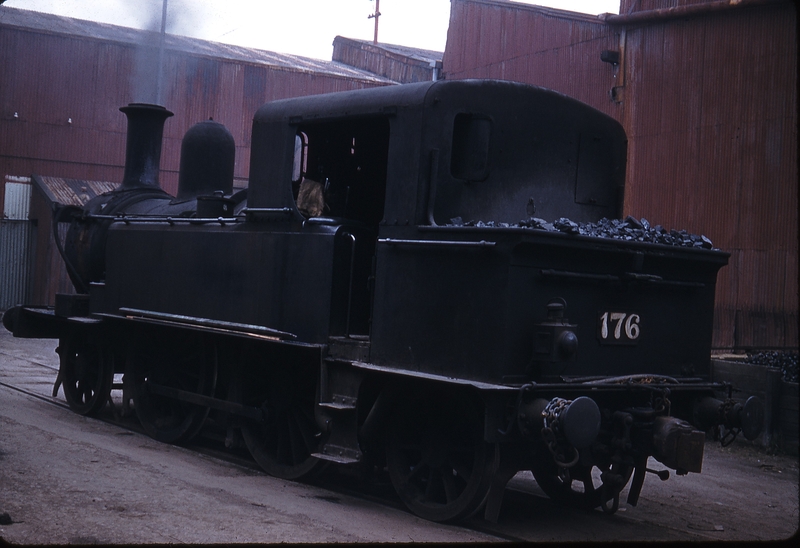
(437, 460)
(164, 368)
(87, 372)
(284, 439)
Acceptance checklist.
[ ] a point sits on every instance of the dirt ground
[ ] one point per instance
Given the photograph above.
(67, 479)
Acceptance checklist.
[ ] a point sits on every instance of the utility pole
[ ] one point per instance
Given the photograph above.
(375, 16)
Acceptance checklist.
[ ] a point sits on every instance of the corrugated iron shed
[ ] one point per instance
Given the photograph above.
(17, 241)
(49, 273)
(16, 198)
(632, 6)
(30, 20)
(65, 79)
(76, 192)
(711, 114)
(398, 63)
(553, 48)
(707, 92)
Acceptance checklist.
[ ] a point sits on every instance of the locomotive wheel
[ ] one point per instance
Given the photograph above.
(576, 486)
(86, 372)
(283, 441)
(191, 367)
(438, 462)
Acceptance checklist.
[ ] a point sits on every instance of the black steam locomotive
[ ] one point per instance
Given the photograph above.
(373, 298)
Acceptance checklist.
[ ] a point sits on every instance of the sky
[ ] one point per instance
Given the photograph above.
(299, 27)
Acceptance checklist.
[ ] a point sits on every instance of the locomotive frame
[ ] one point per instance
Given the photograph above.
(381, 329)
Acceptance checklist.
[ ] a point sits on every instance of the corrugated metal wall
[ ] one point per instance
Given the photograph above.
(632, 6)
(402, 66)
(711, 115)
(709, 102)
(531, 44)
(61, 95)
(63, 81)
(17, 244)
(49, 271)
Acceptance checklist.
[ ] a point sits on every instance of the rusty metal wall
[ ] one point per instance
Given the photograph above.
(633, 6)
(61, 94)
(711, 113)
(49, 272)
(532, 44)
(401, 65)
(709, 102)
(63, 81)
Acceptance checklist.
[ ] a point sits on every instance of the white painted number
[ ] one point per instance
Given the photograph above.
(632, 326)
(618, 320)
(617, 317)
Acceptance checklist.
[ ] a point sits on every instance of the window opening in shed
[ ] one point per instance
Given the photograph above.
(340, 169)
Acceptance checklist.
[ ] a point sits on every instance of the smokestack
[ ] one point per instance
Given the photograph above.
(143, 148)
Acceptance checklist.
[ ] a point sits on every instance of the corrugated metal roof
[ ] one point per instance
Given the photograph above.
(71, 191)
(399, 64)
(426, 55)
(627, 7)
(55, 24)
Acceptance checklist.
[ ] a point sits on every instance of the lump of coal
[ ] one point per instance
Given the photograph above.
(633, 222)
(565, 225)
(535, 222)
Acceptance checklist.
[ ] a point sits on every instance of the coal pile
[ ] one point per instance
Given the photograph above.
(630, 229)
(786, 361)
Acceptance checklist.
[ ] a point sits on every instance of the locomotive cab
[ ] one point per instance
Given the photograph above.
(339, 180)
